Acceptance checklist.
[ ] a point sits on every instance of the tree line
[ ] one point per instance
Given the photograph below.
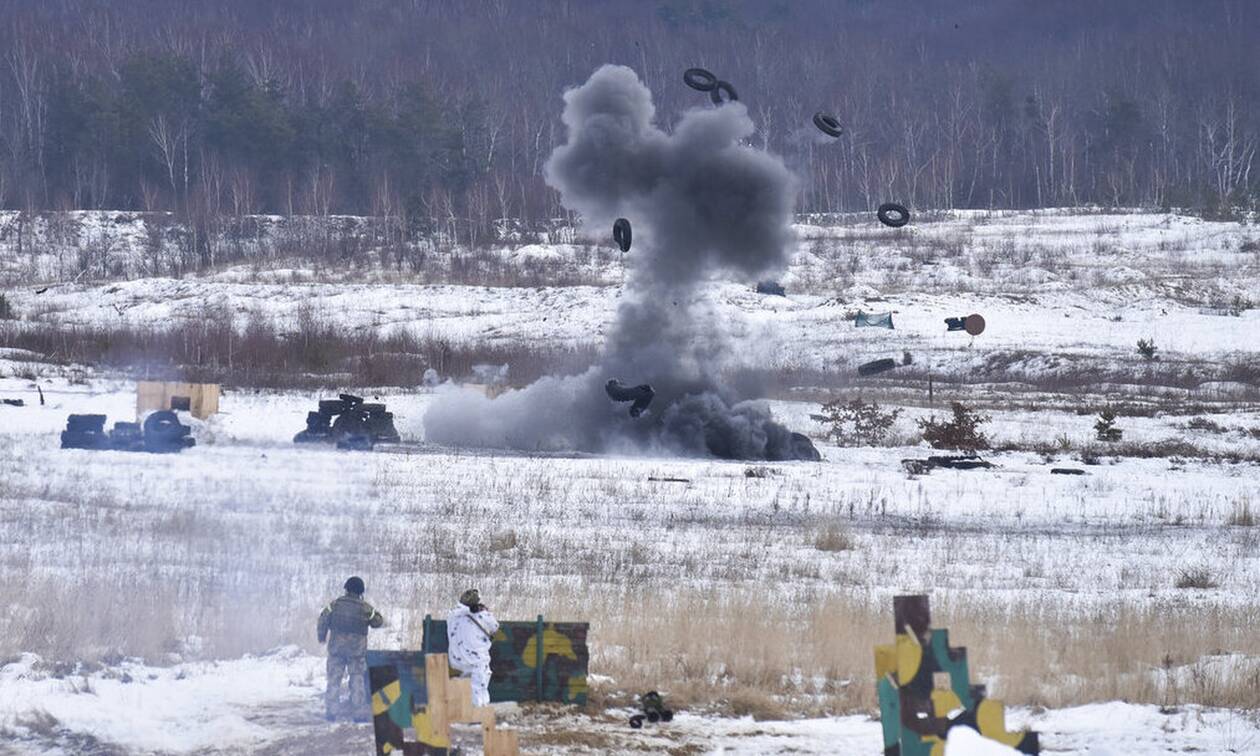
(439, 114)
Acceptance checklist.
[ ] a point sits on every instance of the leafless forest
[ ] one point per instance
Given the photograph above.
(437, 115)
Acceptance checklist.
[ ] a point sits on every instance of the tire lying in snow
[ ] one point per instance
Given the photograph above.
(828, 124)
(877, 366)
(893, 215)
(621, 234)
(715, 94)
(699, 79)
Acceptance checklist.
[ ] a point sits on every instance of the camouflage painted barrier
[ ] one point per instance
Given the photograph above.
(529, 661)
(415, 701)
(396, 688)
(925, 689)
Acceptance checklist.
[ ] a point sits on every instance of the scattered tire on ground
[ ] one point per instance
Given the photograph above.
(828, 124)
(951, 462)
(893, 215)
(877, 366)
(700, 79)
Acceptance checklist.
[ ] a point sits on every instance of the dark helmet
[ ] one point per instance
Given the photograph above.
(355, 585)
(470, 598)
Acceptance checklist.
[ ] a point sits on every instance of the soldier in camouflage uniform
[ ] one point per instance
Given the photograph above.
(344, 625)
(470, 629)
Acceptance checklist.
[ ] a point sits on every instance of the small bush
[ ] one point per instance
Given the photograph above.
(1242, 515)
(504, 541)
(858, 423)
(1204, 424)
(961, 432)
(1147, 348)
(1106, 427)
(6, 309)
(834, 538)
(1198, 577)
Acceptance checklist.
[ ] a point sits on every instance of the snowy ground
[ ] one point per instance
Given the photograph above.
(158, 604)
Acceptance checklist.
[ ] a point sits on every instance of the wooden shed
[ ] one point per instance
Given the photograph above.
(200, 399)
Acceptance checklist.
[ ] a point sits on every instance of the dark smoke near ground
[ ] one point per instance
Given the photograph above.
(703, 205)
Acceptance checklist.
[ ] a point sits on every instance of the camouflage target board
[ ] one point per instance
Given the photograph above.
(530, 661)
(921, 681)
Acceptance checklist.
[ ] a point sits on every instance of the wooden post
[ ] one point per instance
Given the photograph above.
(539, 657)
(424, 642)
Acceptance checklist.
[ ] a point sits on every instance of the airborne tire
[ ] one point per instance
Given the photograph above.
(636, 721)
(828, 124)
(699, 79)
(715, 94)
(621, 234)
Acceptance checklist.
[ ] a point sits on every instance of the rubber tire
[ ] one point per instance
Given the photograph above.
(654, 716)
(621, 234)
(84, 440)
(876, 366)
(828, 124)
(164, 424)
(349, 424)
(331, 407)
(636, 721)
(85, 423)
(716, 93)
(700, 79)
(884, 211)
(667, 715)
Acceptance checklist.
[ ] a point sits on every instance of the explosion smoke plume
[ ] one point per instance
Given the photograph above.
(702, 205)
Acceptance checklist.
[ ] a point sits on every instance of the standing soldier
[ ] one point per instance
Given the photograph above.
(469, 628)
(344, 624)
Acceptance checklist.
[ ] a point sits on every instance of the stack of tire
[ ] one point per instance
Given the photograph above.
(162, 433)
(85, 432)
(350, 423)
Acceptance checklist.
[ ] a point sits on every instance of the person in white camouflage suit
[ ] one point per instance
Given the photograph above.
(344, 625)
(469, 629)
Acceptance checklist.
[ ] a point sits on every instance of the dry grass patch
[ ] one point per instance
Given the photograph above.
(834, 538)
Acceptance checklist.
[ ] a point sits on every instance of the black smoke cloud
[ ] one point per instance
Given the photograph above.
(703, 205)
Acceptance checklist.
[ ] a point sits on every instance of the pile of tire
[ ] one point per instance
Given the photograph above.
(350, 423)
(85, 432)
(162, 433)
(165, 434)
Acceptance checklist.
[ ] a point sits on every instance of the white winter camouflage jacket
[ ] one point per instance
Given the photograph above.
(469, 637)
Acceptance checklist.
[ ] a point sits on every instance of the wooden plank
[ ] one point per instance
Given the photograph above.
(459, 700)
(437, 675)
(500, 743)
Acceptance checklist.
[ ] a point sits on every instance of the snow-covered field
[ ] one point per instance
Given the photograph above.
(166, 604)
